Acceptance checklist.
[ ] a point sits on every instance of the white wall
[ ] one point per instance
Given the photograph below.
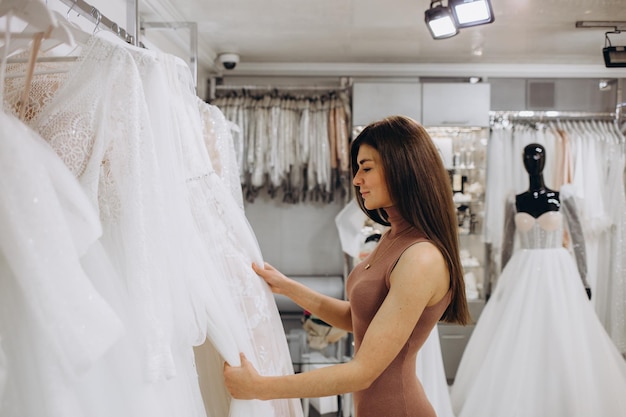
(298, 239)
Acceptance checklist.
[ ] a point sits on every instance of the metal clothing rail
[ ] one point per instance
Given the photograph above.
(547, 115)
(281, 87)
(507, 117)
(273, 88)
(94, 15)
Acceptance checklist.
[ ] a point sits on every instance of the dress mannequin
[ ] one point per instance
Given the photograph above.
(538, 321)
(539, 199)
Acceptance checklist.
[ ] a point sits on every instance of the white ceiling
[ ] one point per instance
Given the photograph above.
(369, 36)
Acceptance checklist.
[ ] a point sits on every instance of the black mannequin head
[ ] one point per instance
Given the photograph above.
(534, 158)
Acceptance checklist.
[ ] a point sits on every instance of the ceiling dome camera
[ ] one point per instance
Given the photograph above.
(229, 60)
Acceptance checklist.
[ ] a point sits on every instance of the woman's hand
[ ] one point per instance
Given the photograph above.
(274, 278)
(243, 382)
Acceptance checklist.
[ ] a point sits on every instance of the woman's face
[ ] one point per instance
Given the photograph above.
(370, 178)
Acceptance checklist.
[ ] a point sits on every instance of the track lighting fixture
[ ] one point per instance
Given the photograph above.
(439, 21)
(471, 12)
(445, 21)
(614, 56)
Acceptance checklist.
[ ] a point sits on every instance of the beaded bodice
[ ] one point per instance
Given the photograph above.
(543, 232)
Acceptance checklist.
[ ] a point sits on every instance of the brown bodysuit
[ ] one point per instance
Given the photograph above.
(396, 392)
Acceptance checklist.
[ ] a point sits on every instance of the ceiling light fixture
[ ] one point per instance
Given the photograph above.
(471, 12)
(614, 56)
(439, 21)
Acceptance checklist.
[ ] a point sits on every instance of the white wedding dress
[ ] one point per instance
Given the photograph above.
(93, 113)
(175, 232)
(57, 330)
(538, 348)
(215, 205)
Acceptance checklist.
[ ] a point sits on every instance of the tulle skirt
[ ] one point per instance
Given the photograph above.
(431, 373)
(538, 348)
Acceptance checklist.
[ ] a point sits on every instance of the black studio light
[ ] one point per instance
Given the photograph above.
(469, 13)
(439, 20)
(614, 56)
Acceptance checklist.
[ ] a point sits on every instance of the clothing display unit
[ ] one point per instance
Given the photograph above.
(464, 151)
(157, 249)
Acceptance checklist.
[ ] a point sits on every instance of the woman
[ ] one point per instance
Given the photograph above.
(397, 294)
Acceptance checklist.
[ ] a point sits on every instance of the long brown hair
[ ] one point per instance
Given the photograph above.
(420, 189)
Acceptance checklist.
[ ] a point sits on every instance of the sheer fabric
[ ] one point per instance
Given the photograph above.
(611, 292)
(220, 144)
(56, 329)
(174, 229)
(95, 117)
(253, 321)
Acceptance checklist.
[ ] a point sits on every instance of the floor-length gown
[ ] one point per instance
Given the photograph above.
(538, 348)
(233, 308)
(57, 331)
(93, 113)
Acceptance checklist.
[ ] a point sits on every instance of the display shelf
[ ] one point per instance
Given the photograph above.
(464, 152)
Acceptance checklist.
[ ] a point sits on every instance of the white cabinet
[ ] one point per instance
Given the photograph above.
(455, 104)
(372, 101)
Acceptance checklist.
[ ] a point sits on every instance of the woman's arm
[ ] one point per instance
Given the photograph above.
(331, 310)
(394, 322)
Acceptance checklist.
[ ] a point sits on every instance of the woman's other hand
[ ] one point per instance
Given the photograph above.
(274, 278)
(243, 382)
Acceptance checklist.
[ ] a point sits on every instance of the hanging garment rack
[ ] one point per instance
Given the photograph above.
(101, 21)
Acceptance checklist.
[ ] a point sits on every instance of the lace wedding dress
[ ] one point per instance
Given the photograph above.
(93, 113)
(176, 234)
(227, 238)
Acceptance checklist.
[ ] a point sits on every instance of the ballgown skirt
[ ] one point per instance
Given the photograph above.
(432, 375)
(538, 348)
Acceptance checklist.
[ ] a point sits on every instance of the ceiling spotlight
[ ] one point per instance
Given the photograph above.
(614, 56)
(439, 21)
(471, 12)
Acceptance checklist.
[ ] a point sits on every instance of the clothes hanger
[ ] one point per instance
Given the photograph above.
(40, 20)
(66, 34)
(35, 44)
(34, 12)
(41, 24)
(55, 36)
